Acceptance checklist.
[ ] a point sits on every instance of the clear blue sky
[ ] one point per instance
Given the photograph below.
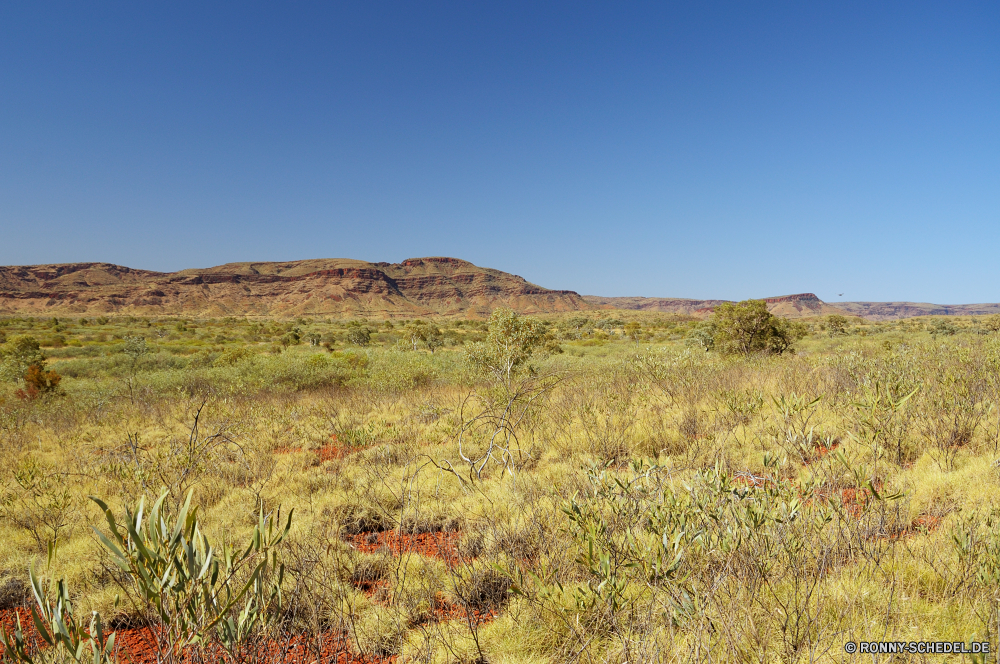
(693, 149)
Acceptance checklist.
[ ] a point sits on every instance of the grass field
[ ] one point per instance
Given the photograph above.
(619, 495)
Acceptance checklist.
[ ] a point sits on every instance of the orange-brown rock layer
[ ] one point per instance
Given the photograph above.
(418, 286)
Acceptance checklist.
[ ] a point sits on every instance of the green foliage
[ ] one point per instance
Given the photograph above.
(414, 333)
(359, 336)
(433, 339)
(38, 501)
(58, 627)
(510, 342)
(196, 591)
(633, 331)
(942, 326)
(747, 327)
(703, 335)
(17, 355)
(233, 356)
(836, 325)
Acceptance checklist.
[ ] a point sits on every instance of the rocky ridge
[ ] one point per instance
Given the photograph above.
(790, 306)
(347, 287)
(879, 311)
(417, 286)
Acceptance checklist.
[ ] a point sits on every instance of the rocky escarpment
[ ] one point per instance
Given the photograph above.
(789, 306)
(897, 310)
(419, 286)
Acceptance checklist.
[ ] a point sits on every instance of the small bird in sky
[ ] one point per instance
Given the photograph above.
(840, 295)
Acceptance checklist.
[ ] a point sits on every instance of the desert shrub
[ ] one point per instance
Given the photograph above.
(39, 383)
(393, 371)
(119, 365)
(359, 336)
(18, 354)
(233, 356)
(747, 327)
(38, 501)
(197, 596)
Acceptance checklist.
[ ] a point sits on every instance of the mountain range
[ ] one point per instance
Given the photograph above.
(347, 287)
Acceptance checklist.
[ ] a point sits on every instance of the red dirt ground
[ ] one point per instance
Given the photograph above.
(136, 646)
(442, 545)
(434, 545)
(444, 610)
(329, 452)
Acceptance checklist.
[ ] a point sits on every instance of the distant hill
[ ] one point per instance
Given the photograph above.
(789, 306)
(417, 286)
(347, 287)
(896, 310)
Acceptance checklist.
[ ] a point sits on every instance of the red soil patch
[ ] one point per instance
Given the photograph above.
(855, 500)
(433, 545)
(442, 545)
(444, 610)
(8, 619)
(926, 522)
(137, 646)
(328, 452)
(922, 525)
(822, 450)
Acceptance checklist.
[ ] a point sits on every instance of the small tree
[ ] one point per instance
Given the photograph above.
(17, 355)
(434, 339)
(359, 336)
(747, 327)
(633, 331)
(509, 343)
(415, 333)
(836, 325)
(508, 390)
(703, 335)
(135, 348)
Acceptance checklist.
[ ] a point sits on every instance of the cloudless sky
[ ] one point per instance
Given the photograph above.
(698, 149)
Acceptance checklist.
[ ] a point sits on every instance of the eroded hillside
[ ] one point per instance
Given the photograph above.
(417, 286)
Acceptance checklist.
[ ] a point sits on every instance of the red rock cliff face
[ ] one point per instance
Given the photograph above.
(419, 286)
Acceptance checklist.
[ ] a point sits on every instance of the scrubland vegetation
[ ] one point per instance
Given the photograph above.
(601, 487)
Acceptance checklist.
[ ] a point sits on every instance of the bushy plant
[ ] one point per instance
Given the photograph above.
(194, 593)
(17, 355)
(39, 383)
(57, 625)
(747, 327)
(359, 336)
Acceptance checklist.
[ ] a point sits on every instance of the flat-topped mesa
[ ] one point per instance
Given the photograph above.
(800, 305)
(799, 298)
(414, 287)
